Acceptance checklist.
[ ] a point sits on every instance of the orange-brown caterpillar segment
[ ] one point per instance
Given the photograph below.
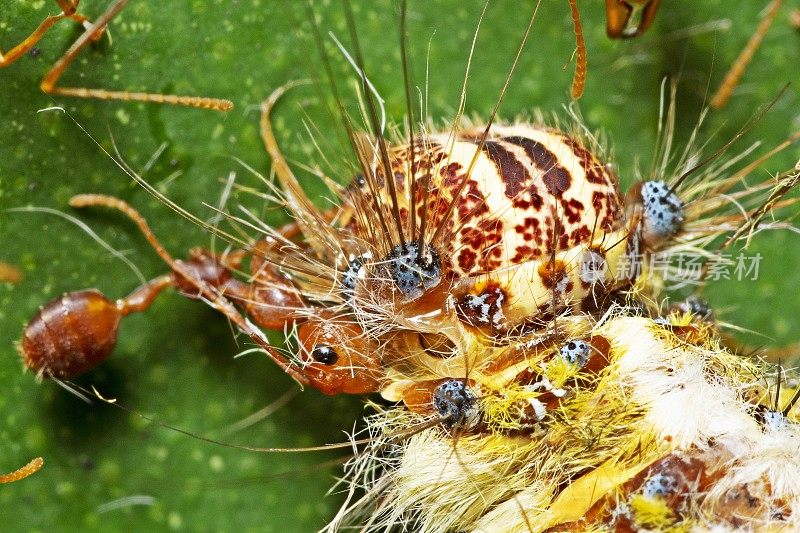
(733, 76)
(21, 473)
(93, 33)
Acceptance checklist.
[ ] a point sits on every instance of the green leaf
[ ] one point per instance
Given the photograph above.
(110, 469)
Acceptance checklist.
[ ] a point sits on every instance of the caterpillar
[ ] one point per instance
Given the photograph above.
(444, 346)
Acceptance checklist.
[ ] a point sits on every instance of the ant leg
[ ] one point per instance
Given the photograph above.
(285, 175)
(68, 10)
(21, 473)
(201, 277)
(733, 76)
(72, 334)
(296, 199)
(619, 13)
(48, 84)
(579, 79)
(271, 300)
(69, 7)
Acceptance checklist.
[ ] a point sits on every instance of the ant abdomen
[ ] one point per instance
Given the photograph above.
(71, 334)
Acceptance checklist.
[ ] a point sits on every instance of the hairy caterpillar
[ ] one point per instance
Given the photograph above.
(475, 89)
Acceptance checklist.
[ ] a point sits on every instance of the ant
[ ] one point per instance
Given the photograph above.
(72, 334)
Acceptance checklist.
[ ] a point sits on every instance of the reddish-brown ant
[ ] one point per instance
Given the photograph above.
(74, 333)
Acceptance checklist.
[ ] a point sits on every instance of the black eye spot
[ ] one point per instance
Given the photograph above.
(457, 404)
(576, 352)
(355, 271)
(663, 211)
(414, 270)
(324, 354)
(699, 307)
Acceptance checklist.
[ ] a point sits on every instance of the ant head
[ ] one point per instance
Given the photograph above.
(337, 355)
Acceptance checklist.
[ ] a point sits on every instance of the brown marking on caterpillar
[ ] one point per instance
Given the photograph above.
(524, 253)
(595, 172)
(557, 179)
(467, 259)
(472, 237)
(579, 235)
(534, 200)
(492, 249)
(573, 210)
(599, 356)
(561, 239)
(511, 171)
(450, 173)
(613, 212)
(472, 203)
